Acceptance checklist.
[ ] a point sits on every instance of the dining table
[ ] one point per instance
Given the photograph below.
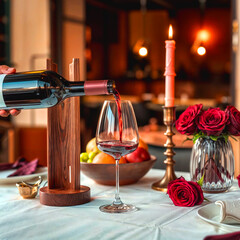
(156, 218)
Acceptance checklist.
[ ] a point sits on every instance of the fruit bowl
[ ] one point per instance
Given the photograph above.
(128, 172)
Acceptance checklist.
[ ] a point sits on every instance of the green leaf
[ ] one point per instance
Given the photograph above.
(214, 138)
(200, 181)
(187, 139)
(206, 199)
(195, 138)
(198, 135)
(233, 138)
(225, 137)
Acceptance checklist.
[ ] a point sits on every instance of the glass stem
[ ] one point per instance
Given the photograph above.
(117, 200)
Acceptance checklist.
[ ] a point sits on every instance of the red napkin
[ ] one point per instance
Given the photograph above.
(228, 236)
(27, 168)
(23, 167)
(19, 163)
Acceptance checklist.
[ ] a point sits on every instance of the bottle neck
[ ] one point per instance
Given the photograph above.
(93, 87)
(74, 89)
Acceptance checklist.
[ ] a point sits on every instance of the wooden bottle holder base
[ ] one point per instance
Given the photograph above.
(58, 197)
(63, 158)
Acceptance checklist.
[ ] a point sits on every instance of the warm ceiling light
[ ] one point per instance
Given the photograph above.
(143, 52)
(203, 35)
(170, 32)
(201, 51)
(141, 48)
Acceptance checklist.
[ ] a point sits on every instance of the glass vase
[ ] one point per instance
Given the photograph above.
(214, 160)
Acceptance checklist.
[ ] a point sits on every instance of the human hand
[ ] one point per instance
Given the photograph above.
(4, 69)
(14, 112)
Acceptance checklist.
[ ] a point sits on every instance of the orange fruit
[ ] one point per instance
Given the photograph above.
(103, 158)
(122, 160)
(142, 144)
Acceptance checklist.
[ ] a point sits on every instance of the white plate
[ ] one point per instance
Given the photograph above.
(41, 171)
(210, 213)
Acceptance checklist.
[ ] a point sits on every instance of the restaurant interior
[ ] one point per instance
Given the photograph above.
(64, 166)
(108, 36)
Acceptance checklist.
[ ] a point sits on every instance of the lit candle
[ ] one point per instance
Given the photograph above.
(170, 70)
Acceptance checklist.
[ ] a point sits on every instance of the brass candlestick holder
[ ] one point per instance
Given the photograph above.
(169, 119)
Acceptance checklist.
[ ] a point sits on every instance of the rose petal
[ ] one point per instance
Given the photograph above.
(233, 126)
(238, 178)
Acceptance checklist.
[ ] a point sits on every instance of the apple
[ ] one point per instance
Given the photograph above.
(139, 155)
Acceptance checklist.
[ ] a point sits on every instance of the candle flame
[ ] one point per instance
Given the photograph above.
(170, 32)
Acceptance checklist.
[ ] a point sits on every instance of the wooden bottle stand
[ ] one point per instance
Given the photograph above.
(63, 143)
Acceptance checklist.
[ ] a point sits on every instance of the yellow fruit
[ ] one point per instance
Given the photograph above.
(103, 158)
(83, 157)
(142, 144)
(92, 155)
(92, 146)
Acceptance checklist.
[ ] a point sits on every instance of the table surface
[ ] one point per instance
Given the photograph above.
(157, 217)
(157, 138)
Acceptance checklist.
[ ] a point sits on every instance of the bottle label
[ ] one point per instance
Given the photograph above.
(2, 103)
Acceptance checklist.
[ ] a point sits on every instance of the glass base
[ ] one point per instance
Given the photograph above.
(118, 208)
(218, 187)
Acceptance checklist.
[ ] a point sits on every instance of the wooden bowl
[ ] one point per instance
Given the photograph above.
(128, 172)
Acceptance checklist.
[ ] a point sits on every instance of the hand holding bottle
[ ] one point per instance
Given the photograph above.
(7, 70)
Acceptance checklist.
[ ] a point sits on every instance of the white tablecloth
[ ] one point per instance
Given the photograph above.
(157, 217)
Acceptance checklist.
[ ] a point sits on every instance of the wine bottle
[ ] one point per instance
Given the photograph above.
(43, 89)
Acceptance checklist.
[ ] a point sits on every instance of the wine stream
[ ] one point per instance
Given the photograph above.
(118, 101)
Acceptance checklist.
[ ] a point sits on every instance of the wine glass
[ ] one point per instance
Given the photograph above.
(117, 135)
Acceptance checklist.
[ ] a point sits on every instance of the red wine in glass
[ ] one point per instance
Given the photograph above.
(117, 148)
(117, 135)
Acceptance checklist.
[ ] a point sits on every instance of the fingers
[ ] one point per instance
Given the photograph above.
(11, 71)
(4, 69)
(14, 112)
(4, 113)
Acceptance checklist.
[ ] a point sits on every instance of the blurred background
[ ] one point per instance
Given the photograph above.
(122, 40)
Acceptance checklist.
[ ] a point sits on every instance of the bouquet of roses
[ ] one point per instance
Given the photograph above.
(213, 123)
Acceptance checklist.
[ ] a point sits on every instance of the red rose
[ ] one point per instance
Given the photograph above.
(186, 123)
(185, 193)
(238, 178)
(233, 126)
(212, 121)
